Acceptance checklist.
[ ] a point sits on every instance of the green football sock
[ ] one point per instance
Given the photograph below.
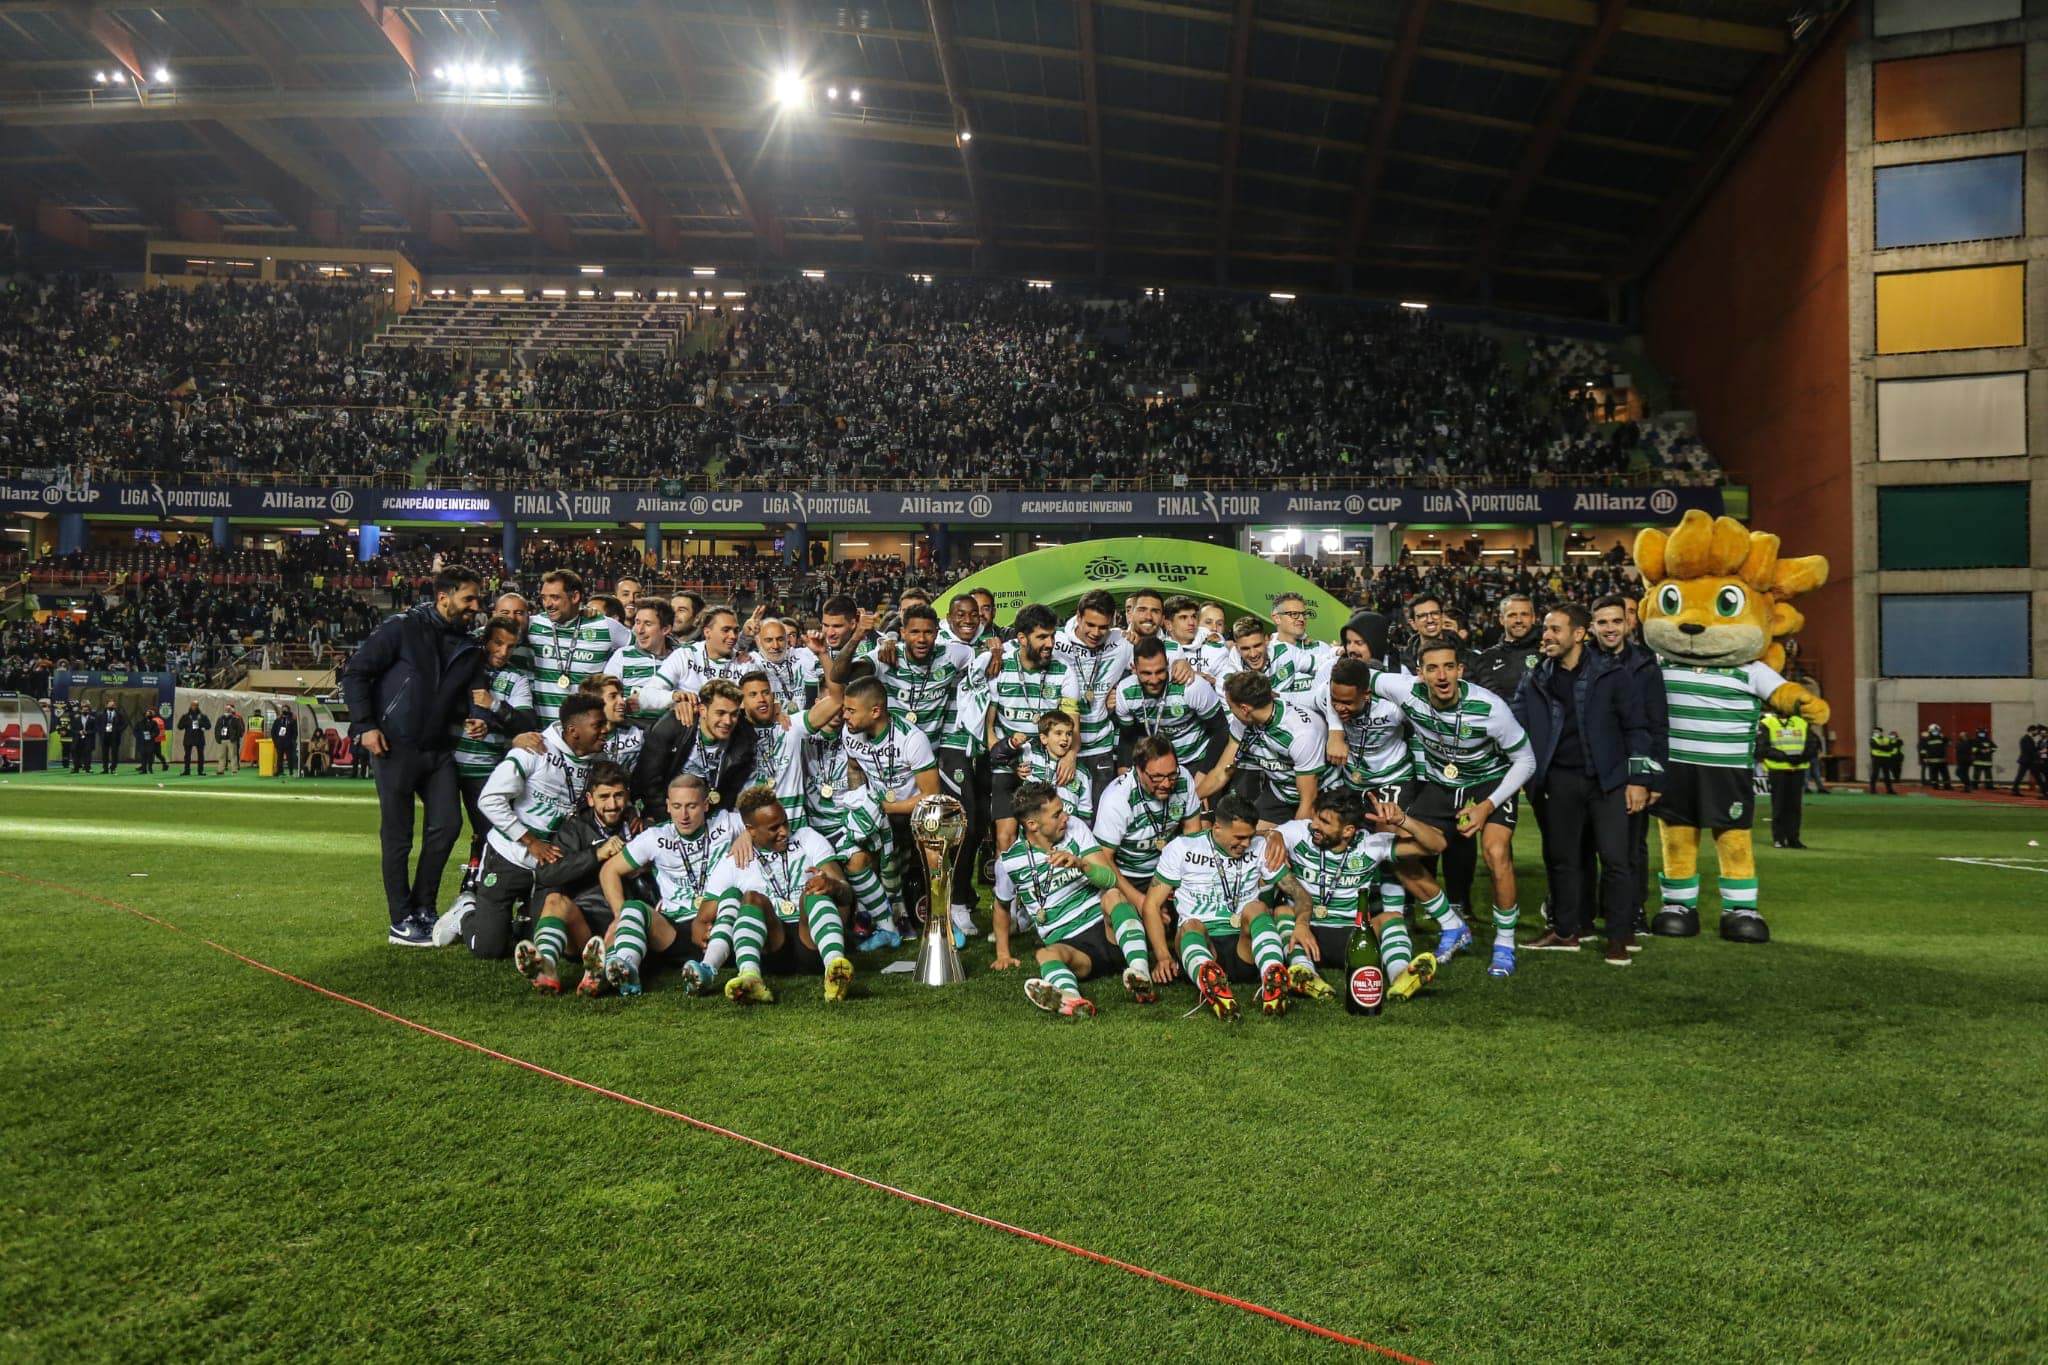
(1504, 920)
(1265, 935)
(1438, 908)
(822, 913)
(1738, 893)
(749, 937)
(551, 936)
(1683, 892)
(1396, 951)
(1393, 895)
(718, 945)
(1129, 931)
(1059, 975)
(1194, 951)
(629, 936)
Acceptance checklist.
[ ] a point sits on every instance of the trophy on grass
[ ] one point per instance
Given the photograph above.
(938, 824)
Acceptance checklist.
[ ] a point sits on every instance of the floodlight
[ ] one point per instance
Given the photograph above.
(966, 135)
(161, 76)
(854, 94)
(789, 89)
(514, 77)
(831, 92)
(100, 76)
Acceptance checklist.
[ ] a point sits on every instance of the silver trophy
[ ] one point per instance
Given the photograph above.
(938, 824)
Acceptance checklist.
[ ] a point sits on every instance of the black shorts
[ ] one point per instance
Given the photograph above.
(793, 958)
(1094, 944)
(1235, 967)
(1256, 788)
(1401, 794)
(1438, 805)
(1703, 797)
(682, 949)
(1002, 790)
(1333, 943)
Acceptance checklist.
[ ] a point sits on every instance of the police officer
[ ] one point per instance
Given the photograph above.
(1787, 745)
(1934, 760)
(1881, 760)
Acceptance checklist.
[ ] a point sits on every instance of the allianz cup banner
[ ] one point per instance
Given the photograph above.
(1456, 506)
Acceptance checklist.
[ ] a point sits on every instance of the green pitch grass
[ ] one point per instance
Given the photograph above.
(1827, 1148)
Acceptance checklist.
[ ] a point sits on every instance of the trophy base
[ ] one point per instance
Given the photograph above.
(938, 961)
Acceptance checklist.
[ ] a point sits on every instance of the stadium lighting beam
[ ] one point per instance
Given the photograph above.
(788, 89)
(853, 95)
(831, 92)
(1414, 307)
(161, 76)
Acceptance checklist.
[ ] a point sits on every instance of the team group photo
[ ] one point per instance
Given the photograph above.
(993, 679)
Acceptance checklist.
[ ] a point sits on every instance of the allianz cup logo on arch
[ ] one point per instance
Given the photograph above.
(1109, 568)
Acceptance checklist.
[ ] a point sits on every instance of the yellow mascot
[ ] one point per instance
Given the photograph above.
(1714, 610)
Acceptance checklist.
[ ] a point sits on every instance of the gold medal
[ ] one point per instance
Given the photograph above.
(1087, 701)
(1159, 845)
(565, 680)
(910, 716)
(826, 791)
(786, 908)
(714, 798)
(1451, 771)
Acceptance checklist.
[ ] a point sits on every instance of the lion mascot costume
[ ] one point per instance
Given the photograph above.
(1715, 610)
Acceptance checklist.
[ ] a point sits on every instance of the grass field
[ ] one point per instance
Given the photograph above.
(1831, 1147)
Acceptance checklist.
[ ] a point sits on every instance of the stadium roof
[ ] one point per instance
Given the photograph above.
(1527, 151)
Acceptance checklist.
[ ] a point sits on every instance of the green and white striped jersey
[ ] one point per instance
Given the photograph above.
(531, 794)
(1289, 745)
(779, 763)
(891, 760)
(778, 878)
(1470, 744)
(1136, 826)
(641, 674)
(687, 669)
(972, 696)
(563, 656)
(1179, 714)
(1376, 752)
(1339, 881)
(1302, 668)
(1060, 900)
(682, 863)
(1096, 674)
(477, 757)
(1209, 885)
(922, 693)
(1714, 711)
(785, 676)
(1036, 765)
(1023, 695)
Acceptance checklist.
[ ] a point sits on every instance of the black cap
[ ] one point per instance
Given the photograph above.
(1370, 627)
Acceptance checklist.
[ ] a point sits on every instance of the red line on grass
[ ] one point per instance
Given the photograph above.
(998, 1225)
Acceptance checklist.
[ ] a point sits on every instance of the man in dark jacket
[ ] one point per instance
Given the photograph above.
(81, 728)
(1934, 760)
(284, 735)
(567, 889)
(227, 732)
(1611, 635)
(408, 689)
(1598, 761)
(112, 726)
(145, 743)
(195, 728)
(707, 738)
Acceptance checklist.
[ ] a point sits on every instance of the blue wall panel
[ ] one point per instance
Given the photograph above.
(1954, 635)
(1950, 201)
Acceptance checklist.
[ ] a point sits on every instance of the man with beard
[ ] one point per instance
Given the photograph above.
(409, 687)
(1187, 715)
(567, 645)
(1337, 856)
(507, 699)
(528, 797)
(888, 754)
(701, 735)
(1031, 680)
(573, 913)
(637, 666)
(1614, 633)
(1099, 656)
(1143, 811)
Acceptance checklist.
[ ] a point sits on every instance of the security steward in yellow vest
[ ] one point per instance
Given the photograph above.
(1887, 761)
(1787, 746)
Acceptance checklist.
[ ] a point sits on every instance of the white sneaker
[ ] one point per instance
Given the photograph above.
(448, 928)
(963, 919)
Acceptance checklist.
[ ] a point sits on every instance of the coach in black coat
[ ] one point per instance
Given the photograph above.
(408, 689)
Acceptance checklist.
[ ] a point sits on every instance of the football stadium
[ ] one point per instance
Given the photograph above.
(1024, 679)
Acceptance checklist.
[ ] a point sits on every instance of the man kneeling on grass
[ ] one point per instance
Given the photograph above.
(781, 905)
(528, 797)
(1066, 883)
(1223, 897)
(682, 854)
(573, 910)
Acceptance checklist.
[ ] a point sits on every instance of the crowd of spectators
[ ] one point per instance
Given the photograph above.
(865, 379)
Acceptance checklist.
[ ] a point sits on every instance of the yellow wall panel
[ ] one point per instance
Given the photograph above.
(1952, 310)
